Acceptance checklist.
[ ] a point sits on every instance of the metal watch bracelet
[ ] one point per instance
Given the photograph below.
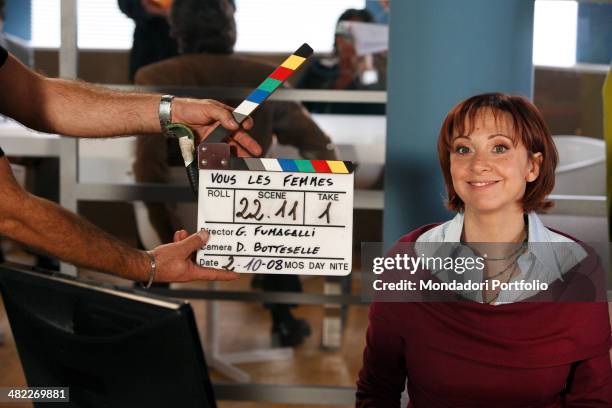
(165, 111)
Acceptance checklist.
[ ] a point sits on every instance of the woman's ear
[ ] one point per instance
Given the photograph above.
(535, 162)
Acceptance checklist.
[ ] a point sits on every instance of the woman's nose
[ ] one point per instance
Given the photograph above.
(480, 163)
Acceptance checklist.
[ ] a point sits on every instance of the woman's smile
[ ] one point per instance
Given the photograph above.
(482, 184)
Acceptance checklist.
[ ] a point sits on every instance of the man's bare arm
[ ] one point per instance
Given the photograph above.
(50, 228)
(75, 108)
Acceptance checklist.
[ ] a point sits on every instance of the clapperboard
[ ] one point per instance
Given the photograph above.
(274, 215)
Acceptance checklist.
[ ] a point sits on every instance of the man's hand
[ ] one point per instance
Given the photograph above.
(348, 62)
(203, 115)
(175, 264)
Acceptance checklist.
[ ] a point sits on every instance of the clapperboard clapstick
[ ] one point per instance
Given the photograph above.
(212, 151)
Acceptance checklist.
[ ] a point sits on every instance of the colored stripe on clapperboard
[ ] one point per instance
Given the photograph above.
(264, 90)
(273, 81)
(291, 165)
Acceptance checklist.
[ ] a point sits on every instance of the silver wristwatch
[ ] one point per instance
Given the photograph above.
(165, 111)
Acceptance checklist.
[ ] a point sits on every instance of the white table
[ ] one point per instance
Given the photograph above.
(17, 140)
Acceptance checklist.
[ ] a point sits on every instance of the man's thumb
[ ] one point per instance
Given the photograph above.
(195, 241)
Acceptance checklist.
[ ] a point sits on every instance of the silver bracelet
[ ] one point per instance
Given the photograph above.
(152, 271)
(165, 111)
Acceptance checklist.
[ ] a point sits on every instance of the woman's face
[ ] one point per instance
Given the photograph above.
(489, 172)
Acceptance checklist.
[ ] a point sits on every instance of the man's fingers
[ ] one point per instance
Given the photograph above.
(245, 144)
(194, 242)
(203, 132)
(240, 151)
(247, 123)
(223, 115)
(210, 274)
(180, 235)
(242, 139)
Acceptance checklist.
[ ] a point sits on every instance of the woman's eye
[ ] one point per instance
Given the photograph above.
(500, 148)
(462, 149)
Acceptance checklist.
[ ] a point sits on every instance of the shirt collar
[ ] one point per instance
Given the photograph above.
(453, 230)
(555, 251)
(545, 251)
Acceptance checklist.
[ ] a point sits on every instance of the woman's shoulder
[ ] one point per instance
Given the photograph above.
(538, 232)
(449, 231)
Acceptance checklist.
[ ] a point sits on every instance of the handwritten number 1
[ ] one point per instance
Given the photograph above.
(292, 211)
(326, 212)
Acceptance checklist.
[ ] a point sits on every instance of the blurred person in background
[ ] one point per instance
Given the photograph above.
(206, 34)
(152, 41)
(345, 70)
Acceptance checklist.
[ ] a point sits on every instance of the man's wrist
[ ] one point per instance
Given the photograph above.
(146, 284)
(140, 267)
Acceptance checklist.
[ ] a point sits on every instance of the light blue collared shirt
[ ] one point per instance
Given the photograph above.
(548, 256)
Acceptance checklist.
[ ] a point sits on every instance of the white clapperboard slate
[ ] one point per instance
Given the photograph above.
(277, 216)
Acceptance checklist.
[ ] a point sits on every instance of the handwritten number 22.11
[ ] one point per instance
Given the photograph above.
(282, 211)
